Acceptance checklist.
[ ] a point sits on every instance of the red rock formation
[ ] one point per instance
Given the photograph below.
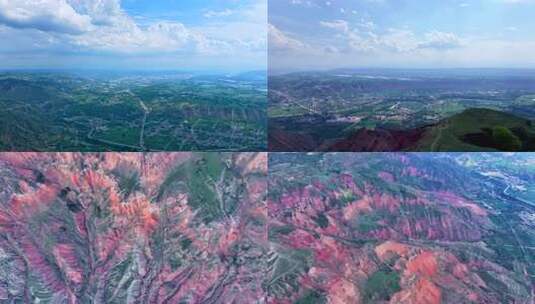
(424, 264)
(385, 250)
(81, 239)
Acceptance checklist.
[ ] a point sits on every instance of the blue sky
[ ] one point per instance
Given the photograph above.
(320, 34)
(227, 35)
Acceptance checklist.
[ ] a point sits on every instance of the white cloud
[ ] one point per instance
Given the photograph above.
(44, 15)
(223, 13)
(103, 27)
(440, 40)
(518, 1)
(334, 40)
(363, 38)
(367, 25)
(129, 38)
(339, 25)
(279, 41)
(399, 40)
(248, 31)
(303, 3)
(101, 12)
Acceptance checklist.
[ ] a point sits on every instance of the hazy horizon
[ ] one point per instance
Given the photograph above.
(207, 71)
(324, 35)
(379, 70)
(144, 35)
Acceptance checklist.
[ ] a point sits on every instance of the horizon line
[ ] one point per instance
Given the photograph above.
(215, 70)
(304, 70)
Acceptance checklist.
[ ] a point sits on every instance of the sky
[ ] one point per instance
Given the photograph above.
(320, 34)
(226, 35)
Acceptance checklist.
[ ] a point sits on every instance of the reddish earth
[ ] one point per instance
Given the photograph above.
(442, 223)
(386, 176)
(385, 250)
(349, 239)
(423, 292)
(280, 140)
(453, 199)
(116, 227)
(424, 264)
(377, 140)
(361, 140)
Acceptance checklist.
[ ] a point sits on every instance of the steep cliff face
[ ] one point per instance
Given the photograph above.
(132, 228)
(381, 228)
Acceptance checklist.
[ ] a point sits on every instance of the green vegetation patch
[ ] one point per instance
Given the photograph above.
(285, 270)
(505, 245)
(505, 140)
(185, 243)
(496, 286)
(347, 197)
(480, 129)
(312, 297)
(274, 231)
(126, 135)
(367, 222)
(321, 220)
(198, 176)
(128, 183)
(381, 285)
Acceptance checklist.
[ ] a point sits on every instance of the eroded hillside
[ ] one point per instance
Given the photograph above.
(397, 228)
(132, 228)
